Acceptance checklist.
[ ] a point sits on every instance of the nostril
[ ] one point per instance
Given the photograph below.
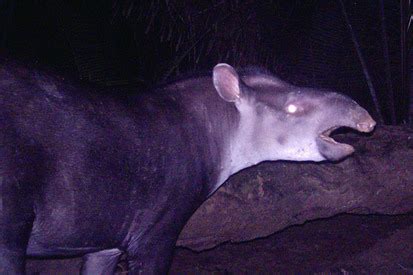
(366, 126)
(371, 124)
(361, 126)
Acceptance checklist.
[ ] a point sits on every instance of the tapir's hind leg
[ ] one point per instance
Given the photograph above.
(101, 262)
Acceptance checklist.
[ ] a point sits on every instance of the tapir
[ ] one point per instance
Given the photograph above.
(98, 173)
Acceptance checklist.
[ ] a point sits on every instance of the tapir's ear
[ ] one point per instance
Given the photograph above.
(226, 82)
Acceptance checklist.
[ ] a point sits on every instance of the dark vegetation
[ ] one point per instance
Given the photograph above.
(359, 48)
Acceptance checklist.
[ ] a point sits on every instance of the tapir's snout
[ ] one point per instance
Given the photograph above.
(363, 121)
(367, 125)
(356, 118)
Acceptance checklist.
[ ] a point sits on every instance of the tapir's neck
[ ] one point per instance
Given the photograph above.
(239, 151)
(220, 122)
(228, 130)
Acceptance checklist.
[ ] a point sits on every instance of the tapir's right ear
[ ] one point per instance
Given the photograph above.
(226, 82)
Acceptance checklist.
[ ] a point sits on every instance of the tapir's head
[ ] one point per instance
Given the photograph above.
(278, 121)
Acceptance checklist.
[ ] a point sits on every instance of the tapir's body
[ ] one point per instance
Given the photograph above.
(101, 173)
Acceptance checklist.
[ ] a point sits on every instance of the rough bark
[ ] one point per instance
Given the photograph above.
(267, 198)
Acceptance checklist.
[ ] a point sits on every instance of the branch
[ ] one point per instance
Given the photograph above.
(363, 64)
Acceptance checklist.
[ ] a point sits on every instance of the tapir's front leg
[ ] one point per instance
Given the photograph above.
(150, 245)
(16, 220)
(102, 262)
(14, 234)
(19, 178)
(154, 256)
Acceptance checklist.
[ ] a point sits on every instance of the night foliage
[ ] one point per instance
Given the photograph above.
(354, 47)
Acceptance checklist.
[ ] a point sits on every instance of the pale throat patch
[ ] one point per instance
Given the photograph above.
(234, 158)
(242, 150)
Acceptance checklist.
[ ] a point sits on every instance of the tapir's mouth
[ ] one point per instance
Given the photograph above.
(334, 150)
(361, 127)
(326, 135)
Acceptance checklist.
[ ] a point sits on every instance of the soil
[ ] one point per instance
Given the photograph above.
(339, 245)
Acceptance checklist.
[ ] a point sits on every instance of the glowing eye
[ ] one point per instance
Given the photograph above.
(292, 108)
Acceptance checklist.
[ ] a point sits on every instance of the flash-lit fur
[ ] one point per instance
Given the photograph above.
(269, 130)
(98, 172)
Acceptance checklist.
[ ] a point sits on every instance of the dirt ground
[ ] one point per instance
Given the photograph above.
(339, 245)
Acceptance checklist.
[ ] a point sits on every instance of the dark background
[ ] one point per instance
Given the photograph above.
(355, 47)
(359, 48)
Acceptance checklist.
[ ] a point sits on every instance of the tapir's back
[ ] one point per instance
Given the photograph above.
(57, 114)
(77, 151)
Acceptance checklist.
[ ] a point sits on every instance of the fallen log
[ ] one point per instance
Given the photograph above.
(377, 178)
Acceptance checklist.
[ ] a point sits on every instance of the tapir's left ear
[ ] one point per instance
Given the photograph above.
(226, 82)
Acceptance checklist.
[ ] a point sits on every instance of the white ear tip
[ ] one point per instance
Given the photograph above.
(222, 65)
